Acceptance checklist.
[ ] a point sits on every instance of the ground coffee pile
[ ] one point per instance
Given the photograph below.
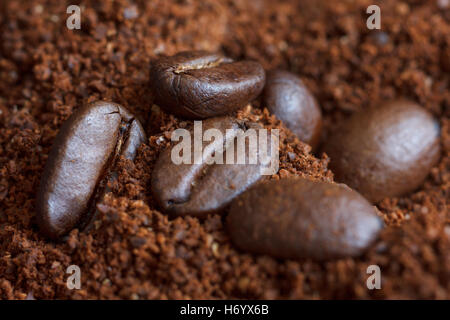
(133, 251)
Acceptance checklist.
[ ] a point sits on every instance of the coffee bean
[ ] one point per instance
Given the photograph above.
(198, 84)
(286, 96)
(386, 151)
(204, 187)
(80, 162)
(298, 218)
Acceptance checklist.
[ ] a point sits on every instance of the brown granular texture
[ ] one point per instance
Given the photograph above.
(133, 251)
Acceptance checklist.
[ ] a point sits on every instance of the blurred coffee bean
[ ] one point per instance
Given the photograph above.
(298, 218)
(80, 162)
(199, 84)
(286, 96)
(386, 151)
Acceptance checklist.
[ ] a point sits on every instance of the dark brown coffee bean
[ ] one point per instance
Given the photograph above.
(298, 218)
(80, 162)
(203, 187)
(286, 96)
(199, 84)
(385, 152)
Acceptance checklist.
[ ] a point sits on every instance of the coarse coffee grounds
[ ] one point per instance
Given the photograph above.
(133, 251)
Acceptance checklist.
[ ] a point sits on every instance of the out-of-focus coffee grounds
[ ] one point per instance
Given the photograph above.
(133, 251)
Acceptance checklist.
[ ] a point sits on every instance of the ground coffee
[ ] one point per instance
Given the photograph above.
(48, 71)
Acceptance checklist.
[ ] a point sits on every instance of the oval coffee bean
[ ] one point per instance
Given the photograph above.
(286, 96)
(201, 186)
(198, 84)
(385, 152)
(298, 218)
(80, 163)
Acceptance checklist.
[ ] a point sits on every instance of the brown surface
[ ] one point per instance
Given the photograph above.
(80, 162)
(385, 151)
(200, 189)
(286, 96)
(199, 85)
(134, 251)
(298, 218)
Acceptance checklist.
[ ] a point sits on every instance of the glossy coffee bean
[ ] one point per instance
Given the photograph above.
(386, 151)
(80, 162)
(204, 187)
(298, 218)
(286, 96)
(199, 84)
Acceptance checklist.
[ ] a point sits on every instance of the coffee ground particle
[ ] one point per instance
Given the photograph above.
(133, 251)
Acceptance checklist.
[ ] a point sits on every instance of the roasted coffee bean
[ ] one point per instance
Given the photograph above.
(204, 187)
(80, 162)
(198, 84)
(386, 151)
(286, 96)
(298, 218)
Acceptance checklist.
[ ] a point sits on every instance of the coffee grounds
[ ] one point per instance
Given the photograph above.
(133, 251)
